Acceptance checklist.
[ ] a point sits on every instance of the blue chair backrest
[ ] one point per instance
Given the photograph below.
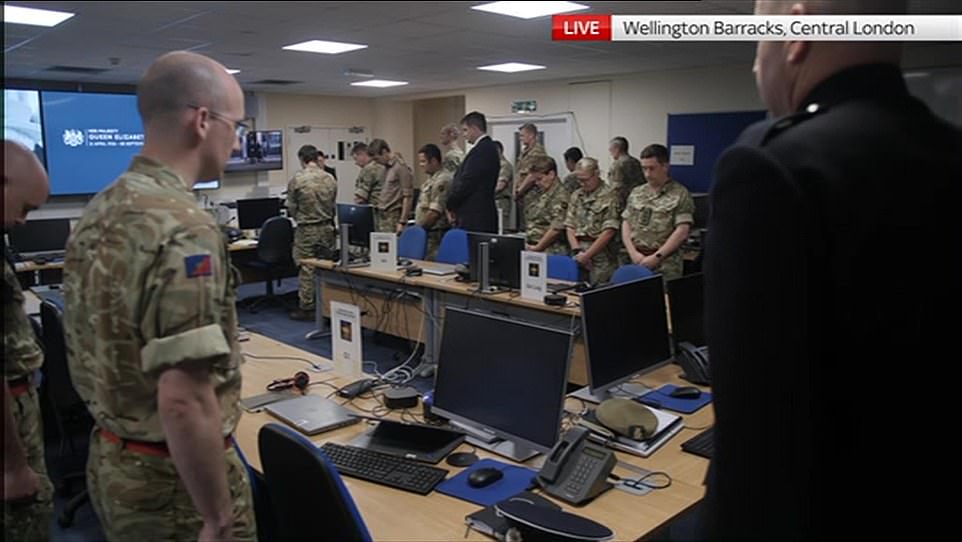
(413, 243)
(304, 486)
(562, 268)
(454, 247)
(630, 272)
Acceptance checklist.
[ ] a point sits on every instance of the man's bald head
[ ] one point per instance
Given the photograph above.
(180, 78)
(787, 71)
(25, 185)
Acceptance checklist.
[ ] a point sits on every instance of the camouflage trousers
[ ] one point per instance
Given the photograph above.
(30, 520)
(434, 243)
(386, 220)
(602, 266)
(141, 497)
(310, 241)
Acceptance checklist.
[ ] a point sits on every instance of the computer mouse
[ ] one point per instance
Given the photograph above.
(484, 477)
(686, 392)
(404, 262)
(462, 459)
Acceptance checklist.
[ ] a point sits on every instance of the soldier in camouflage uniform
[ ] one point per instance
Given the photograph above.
(452, 153)
(657, 217)
(504, 189)
(151, 325)
(28, 494)
(523, 185)
(370, 180)
(592, 222)
(311, 202)
(624, 174)
(546, 216)
(432, 209)
(570, 182)
(397, 195)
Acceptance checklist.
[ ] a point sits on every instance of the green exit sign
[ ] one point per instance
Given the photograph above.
(524, 106)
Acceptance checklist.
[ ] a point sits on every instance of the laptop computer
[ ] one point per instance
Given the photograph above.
(312, 414)
(438, 269)
(410, 440)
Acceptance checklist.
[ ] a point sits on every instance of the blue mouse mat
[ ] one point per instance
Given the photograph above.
(515, 480)
(661, 398)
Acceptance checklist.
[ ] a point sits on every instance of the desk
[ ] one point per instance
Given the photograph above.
(395, 515)
(426, 297)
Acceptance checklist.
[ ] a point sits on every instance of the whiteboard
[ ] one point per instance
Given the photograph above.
(554, 132)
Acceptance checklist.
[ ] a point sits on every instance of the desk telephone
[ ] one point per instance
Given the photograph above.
(694, 361)
(577, 471)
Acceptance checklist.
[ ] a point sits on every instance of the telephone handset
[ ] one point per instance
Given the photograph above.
(694, 361)
(577, 470)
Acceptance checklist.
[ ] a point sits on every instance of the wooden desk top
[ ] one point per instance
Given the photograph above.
(392, 514)
(449, 285)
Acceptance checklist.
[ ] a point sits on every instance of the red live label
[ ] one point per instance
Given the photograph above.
(581, 27)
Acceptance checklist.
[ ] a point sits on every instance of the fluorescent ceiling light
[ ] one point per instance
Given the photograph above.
(379, 83)
(324, 47)
(529, 10)
(912, 75)
(511, 67)
(33, 16)
(232, 72)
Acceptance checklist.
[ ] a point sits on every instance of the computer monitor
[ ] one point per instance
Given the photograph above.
(504, 258)
(40, 236)
(686, 301)
(625, 330)
(258, 150)
(22, 120)
(502, 378)
(252, 213)
(360, 218)
(702, 209)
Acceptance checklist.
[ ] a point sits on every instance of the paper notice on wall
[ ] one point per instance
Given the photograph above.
(534, 275)
(346, 339)
(682, 155)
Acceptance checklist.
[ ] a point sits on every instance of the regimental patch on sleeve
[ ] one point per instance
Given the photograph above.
(198, 265)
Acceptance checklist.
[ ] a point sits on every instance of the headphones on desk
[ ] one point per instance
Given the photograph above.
(300, 381)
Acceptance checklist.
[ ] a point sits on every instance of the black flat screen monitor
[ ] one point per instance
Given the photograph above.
(49, 235)
(686, 300)
(626, 331)
(252, 213)
(360, 219)
(506, 377)
(504, 258)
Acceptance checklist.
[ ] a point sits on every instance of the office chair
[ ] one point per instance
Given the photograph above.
(302, 484)
(70, 415)
(274, 247)
(454, 247)
(630, 272)
(562, 268)
(413, 243)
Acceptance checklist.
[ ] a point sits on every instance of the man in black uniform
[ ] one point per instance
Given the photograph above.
(832, 282)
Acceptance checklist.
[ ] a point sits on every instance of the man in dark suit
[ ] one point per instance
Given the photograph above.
(833, 270)
(471, 200)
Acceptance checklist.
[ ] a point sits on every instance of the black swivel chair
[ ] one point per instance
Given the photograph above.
(302, 483)
(274, 257)
(70, 415)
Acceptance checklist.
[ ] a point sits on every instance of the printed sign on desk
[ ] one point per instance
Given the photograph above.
(346, 339)
(383, 252)
(534, 275)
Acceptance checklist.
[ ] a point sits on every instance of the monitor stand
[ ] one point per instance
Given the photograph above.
(486, 441)
(628, 390)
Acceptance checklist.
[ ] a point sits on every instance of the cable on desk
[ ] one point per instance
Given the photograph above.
(325, 383)
(697, 428)
(637, 483)
(317, 367)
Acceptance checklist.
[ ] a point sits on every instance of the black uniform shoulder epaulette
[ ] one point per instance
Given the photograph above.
(784, 123)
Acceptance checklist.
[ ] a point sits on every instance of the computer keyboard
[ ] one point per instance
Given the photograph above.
(384, 469)
(701, 444)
